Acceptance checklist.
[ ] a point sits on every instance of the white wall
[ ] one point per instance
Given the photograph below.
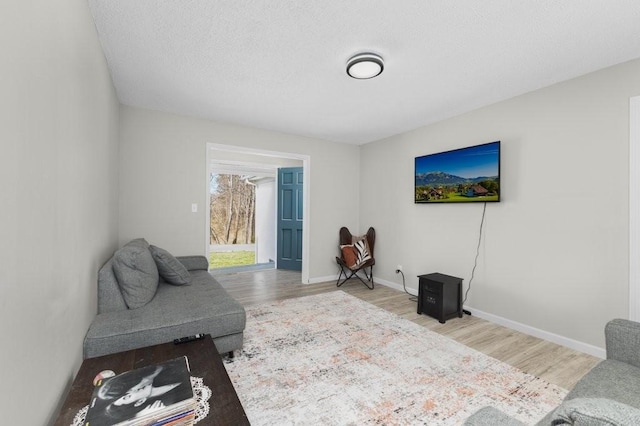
(58, 183)
(555, 251)
(266, 221)
(163, 171)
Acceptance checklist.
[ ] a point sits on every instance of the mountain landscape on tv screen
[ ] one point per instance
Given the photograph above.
(435, 179)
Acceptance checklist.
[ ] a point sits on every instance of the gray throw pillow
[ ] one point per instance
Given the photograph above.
(140, 242)
(137, 275)
(169, 267)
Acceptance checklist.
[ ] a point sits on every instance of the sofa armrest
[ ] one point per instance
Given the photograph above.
(623, 341)
(194, 263)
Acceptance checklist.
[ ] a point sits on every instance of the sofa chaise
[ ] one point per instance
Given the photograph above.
(608, 395)
(147, 297)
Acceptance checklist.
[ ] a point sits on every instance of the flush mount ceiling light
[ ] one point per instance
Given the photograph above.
(365, 65)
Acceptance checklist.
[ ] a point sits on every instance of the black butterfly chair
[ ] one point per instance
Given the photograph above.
(349, 268)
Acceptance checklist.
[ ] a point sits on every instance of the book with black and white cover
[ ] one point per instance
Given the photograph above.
(144, 396)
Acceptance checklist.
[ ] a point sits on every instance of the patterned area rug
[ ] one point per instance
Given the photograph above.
(333, 359)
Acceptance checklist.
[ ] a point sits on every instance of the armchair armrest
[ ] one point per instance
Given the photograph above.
(623, 341)
(194, 263)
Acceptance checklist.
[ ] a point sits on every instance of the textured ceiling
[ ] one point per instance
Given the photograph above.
(280, 65)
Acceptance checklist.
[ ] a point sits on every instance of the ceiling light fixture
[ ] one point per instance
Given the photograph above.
(365, 65)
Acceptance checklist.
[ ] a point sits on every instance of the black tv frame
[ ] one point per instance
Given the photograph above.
(440, 180)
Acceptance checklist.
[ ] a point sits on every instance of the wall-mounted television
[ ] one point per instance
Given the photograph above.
(465, 175)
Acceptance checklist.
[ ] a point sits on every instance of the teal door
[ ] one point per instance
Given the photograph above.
(290, 216)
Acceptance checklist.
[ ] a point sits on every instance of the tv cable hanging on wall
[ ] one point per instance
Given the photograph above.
(475, 262)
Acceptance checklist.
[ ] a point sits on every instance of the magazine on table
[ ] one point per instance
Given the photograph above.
(148, 395)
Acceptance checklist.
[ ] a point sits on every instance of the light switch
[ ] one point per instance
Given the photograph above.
(194, 208)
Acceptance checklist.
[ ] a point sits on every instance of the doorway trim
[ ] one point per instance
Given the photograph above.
(306, 166)
(634, 208)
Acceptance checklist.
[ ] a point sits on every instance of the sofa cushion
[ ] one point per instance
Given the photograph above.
(595, 412)
(137, 274)
(175, 311)
(610, 379)
(169, 268)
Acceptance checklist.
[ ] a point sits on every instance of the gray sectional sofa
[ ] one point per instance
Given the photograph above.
(608, 395)
(146, 297)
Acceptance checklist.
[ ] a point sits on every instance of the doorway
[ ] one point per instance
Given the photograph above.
(634, 208)
(259, 167)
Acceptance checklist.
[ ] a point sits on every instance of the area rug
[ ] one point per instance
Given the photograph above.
(333, 359)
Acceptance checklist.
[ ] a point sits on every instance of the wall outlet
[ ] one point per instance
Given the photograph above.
(398, 268)
(194, 208)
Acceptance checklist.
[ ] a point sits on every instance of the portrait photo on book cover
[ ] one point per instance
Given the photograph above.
(140, 392)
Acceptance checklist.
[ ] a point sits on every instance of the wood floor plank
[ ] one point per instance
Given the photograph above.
(554, 363)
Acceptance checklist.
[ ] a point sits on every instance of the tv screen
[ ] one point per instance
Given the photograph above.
(464, 175)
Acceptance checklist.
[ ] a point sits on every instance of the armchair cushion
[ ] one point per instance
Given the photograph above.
(623, 341)
(169, 267)
(609, 379)
(349, 255)
(362, 249)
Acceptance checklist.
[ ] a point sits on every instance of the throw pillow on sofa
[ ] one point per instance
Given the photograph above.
(169, 267)
(138, 242)
(137, 275)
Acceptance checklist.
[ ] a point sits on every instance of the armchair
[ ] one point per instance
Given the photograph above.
(356, 254)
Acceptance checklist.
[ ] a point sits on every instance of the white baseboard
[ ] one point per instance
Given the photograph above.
(396, 286)
(318, 280)
(376, 280)
(542, 334)
(523, 328)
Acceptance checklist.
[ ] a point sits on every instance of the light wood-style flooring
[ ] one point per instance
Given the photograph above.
(554, 363)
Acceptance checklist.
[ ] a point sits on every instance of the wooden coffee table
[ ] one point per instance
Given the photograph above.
(204, 360)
